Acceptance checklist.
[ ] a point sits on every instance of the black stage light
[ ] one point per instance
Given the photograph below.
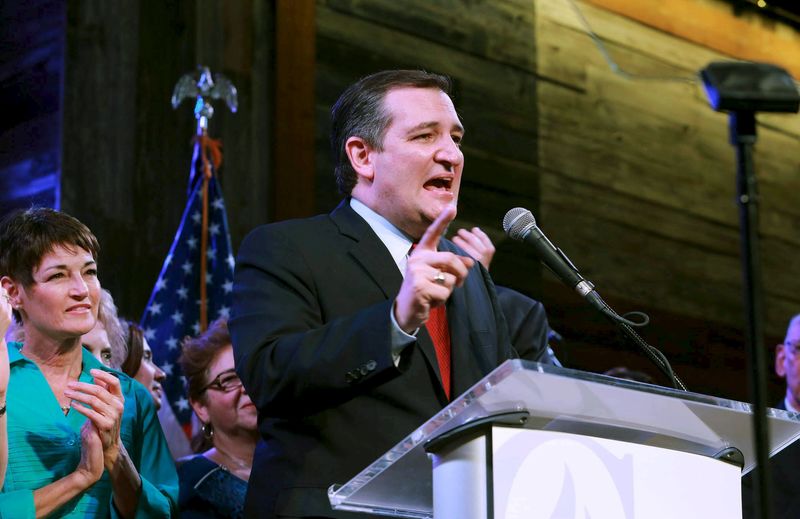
(749, 87)
(742, 89)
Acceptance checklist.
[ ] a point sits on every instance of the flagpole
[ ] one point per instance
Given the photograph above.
(204, 248)
(203, 88)
(172, 311)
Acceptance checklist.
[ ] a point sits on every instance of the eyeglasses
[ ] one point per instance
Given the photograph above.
(226, 382)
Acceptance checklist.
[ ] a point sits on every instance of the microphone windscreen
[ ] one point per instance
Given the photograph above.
(518, 222)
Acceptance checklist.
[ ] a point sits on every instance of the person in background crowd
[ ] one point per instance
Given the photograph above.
(139, 362)
(784, 466)
(787, 366)
(83, 439)
(351, 329)
(214, 482)
(5, 322)
(105, 341)
(526, 318)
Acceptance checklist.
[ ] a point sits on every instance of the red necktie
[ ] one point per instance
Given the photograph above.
(439, 331)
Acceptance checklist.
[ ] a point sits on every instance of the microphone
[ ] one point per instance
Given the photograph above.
(520, 225)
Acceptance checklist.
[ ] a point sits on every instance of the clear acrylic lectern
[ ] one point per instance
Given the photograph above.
(644, 432)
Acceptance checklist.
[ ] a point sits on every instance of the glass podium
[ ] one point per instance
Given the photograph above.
(572, 405)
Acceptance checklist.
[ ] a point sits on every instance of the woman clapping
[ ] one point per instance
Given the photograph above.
(83, 439)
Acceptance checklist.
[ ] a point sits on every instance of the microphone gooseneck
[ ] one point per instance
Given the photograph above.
(519, 224)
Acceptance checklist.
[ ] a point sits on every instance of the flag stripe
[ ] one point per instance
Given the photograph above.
(173, 310)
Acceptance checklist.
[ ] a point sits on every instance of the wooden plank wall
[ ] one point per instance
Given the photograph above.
(126, 152)
(488, 48)
(295, 47)
(638, 185)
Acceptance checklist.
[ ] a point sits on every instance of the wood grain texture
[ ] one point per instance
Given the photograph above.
(295, 37)
(127, 153)
(638, 188)
(644, 171)
(714, 24)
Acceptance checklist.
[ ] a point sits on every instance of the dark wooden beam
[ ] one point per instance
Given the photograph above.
(293, 176)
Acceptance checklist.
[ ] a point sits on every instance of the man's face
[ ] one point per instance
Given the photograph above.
(787, 363)
(418, 171)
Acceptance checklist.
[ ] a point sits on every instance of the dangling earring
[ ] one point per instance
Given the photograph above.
(208, 431)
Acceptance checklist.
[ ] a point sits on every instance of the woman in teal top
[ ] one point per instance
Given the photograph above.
(84, 440)
(5, 322)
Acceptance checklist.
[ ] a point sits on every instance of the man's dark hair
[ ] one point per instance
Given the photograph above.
(26, 236)
(360, 112)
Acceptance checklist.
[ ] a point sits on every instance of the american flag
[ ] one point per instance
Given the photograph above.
(173, 311)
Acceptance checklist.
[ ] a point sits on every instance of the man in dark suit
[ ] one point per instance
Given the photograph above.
(784, 466)
(344, 341)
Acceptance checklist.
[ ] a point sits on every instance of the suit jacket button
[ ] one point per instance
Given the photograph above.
(363, 370)
(371, 365)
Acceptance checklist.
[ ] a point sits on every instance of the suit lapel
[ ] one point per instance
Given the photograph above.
(459, 324)
(467, 348)
(369, 252)
(466, 319)
(470, 319)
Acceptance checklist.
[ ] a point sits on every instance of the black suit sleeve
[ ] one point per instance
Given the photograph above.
(527, 325)
(784, 480)
(292, 358)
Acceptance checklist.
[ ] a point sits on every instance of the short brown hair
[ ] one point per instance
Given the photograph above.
(198, 354)
(360, 112)
(27, 236)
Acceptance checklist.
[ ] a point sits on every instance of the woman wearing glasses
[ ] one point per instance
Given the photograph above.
(214, 482)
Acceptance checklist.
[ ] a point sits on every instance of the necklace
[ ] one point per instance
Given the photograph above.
(238, 464)
(64, 408)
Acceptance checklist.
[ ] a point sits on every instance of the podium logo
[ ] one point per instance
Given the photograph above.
(565, 478)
